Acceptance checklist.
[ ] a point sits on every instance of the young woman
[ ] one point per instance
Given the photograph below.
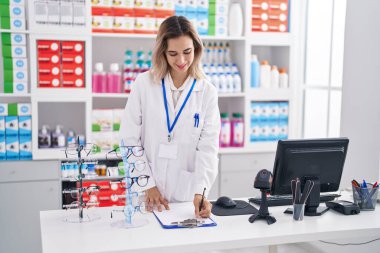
(173, 113)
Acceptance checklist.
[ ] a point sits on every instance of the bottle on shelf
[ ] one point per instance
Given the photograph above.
(71, 140)
(283, 79)
(274, 77)
(58, 138)
(99, 79)
(230, 83)
(114, 79)
(225, 131)
(235, 20)
(44, 138)
(255, 71)
(237, 82)
(227, 53)
(223, 85)
(265, 74)
(237, 130)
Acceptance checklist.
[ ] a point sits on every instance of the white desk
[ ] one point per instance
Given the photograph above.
(231, 232)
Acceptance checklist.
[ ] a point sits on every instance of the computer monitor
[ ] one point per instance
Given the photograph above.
(320, 160)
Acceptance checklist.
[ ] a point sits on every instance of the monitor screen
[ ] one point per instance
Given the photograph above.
(315, 158)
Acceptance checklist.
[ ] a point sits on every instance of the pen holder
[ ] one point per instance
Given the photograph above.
(298, 211)
(365, 198)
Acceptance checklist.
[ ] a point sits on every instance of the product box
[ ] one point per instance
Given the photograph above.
(2, 149)
(79, 13)
(48, 46)
(16, 87)
(124, 24)
(117, 115)
(25, 125)
(273, 128)
(256, 111)
(25, 147)
(13, 39)
(116, 138)
(202, 6)
(191, 6)
(3, 109)
(72, 47)
(53, 11)
(125, 4)
(13, 11)
(144, 7)
(24, 109)
(145, 24)
(102, 120)
(15, 76)
(12, 23)
(255, 131)
(283, 108)
(263, 130)
(102, 23)
(12, 148)
(50, 58)
(103, 141)
(41, 12)
(2, 126)
(14, 51)
(282, 129)
(273, 110)
(48, 81)
(180, 7)
(202, 24)
(12, 2)
(15, 64)
(11, 126)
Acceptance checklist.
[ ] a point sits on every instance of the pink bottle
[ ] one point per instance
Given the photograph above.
(225, 131)
(99, 79)
(114, 79)
(237, 130)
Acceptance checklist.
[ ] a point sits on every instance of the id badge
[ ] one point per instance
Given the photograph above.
(168, 151)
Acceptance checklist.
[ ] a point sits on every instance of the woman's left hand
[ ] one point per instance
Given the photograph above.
(206, 207)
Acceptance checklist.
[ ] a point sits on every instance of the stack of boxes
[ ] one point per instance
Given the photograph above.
(60, 12)
(61, 64)
(270, 16)
(12, 14)
(210, 17)
(105, 129)
(269, 121)
(15, 64)
(109, 194)
(15, 132)
(128, 16)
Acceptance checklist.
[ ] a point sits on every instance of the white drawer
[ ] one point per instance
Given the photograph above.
(15, 171)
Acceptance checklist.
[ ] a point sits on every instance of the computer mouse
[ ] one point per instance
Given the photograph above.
(225, 202)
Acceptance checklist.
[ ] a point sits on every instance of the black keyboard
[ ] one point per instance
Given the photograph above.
(286, 200)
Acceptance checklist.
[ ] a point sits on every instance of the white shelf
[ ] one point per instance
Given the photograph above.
(97, 178)
(231, 95)
(49, 154)
(258, 147)
(13, 31)
(12, 95)
(110, 95)
(153, 36)
(263, 94)
(270, 39)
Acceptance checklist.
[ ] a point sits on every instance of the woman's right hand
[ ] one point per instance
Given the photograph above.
(154, 198)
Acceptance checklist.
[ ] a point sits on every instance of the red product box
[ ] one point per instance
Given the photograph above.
(73, 59)
(258, 14)
(101, 11)
(49, 69)
(72, 47)
(48, 81)
(277, 26)
(48, 46)
(53, 59)
(260, 4)
(281, 5)
(259, 26)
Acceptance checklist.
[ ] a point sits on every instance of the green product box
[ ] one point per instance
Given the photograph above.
(8, 76)
(211, 20)
(5, 22)
(9, 2)
(13, 39)
(212, 8)
(12, 109)
(12, 23)
(211, 30)
(8, 87)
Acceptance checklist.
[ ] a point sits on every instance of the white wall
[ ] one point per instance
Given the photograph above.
(360, 120)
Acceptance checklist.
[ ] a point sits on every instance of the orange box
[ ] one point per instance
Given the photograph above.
(277, 26)
(259, 14)
(260, 26)
(261, 4)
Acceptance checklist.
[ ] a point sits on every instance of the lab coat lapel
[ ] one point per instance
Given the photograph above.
(169, 97)
(182, 98)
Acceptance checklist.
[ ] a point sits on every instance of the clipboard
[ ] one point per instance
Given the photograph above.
(181, 215)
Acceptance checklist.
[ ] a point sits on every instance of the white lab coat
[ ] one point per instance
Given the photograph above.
(144, 123)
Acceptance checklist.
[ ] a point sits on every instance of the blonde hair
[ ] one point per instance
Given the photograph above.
(174, 27)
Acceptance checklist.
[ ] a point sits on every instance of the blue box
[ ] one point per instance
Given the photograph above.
(2, 148)
(282, 129)
(202, 6)
(273, 130)
(25, 125)
(11, 126)
(202, 24)
(255, 111)
(180, 7)
(12, 148)
(255, 131)
(283, 110)
(191, 6)
(25, 147)
(263, 130)
(273, 111)
(2, 126)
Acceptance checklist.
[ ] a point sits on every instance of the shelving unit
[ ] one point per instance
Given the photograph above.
(107, 48)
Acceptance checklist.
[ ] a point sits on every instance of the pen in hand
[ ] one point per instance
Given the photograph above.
(203, 196)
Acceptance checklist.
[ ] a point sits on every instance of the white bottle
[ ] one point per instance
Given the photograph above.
(227, 68)
(234, 68)
(227, 53)
(230, 83)
(215, 80)
(221, 53)
(205, 69)
(212, 69)
(235, 20)
(220, 69)
(283, 79)
(264, 74)
(274, 77)
(223, 85)
(237, 82)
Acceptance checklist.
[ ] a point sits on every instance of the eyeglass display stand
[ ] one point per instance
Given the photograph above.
(83, 216)
(128, 222)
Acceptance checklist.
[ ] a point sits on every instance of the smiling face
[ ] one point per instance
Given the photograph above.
(180, 53)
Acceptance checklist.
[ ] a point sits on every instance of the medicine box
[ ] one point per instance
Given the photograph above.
(14, 51)
(14, 11)
(102, 120)
(3, 109)
(12, 23)
(25, 147)
(12, 148)
(13, 39)
(15, 64)
(12, 2)
(2, 148)
(25, 125)
(2, 126)
(11, 126)
(117, 115)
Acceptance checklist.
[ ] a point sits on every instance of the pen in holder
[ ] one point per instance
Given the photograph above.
(298, 199)
(365, 196)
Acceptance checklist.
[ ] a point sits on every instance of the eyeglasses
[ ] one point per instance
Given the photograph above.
(85, 150)
(138, 165)
(130, 210)
(127, 151)
(90, 190)
(140, 180)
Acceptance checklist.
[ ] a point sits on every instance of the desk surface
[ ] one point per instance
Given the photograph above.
(231, 232)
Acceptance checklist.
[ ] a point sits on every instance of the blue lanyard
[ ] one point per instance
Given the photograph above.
(170, 128)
